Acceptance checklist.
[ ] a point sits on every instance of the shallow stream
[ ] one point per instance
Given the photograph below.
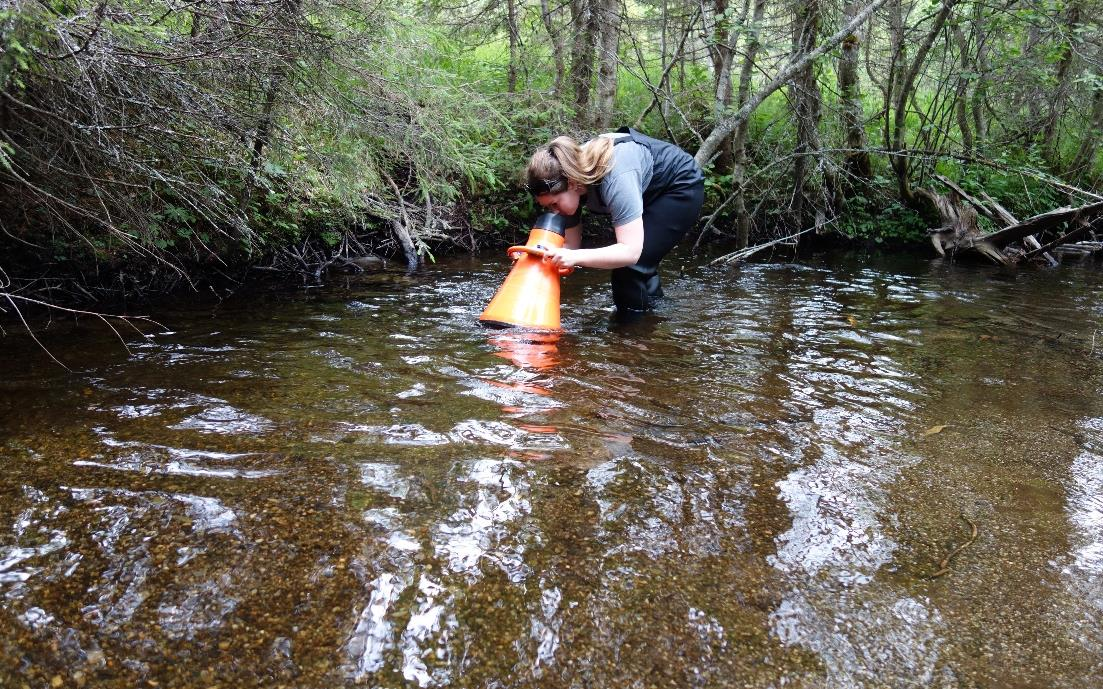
(774, 481)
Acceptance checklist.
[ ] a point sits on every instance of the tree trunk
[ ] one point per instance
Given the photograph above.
(403, 227)
(514, 45)
(682, 30)
(1033, 38)
(556, 48)
(720, 52)
(1059, 94)
(1084, 163)
(263, 132)
(728, 124)
(857, 157)
(262, 135)
(961, 96)
(7, 68)
(739, 140)
(664, 49)
(899, 162)
(582, 57)
(725, 39)
(898, 50)
(804, 95)
(607, 17)
(980, 88)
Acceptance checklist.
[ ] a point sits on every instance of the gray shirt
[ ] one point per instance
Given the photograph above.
(620, 193)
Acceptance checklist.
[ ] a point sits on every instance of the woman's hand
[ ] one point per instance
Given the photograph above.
(562, 258)
(625, 252)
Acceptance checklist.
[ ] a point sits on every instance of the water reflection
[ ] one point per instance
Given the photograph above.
(527, 349)
(477, 536)
(855, 404)
(1084, 573)
(364, 488)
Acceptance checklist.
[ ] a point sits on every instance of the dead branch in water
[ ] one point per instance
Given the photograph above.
(107, 318)
(944, 564)
(959, 228)
(403, 227)
(744, 254)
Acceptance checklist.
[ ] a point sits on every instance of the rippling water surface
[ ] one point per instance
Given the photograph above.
(751, 488)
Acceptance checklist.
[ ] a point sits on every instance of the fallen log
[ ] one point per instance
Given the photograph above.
(1008, 219)
(959, 230)
(1002, 213)
(993, 210)
(1045, 221)
(1074, 250)
(1082, 229)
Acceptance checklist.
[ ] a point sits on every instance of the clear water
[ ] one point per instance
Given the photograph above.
(359, 486)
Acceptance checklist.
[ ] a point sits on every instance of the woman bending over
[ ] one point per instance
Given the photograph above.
(652, 190)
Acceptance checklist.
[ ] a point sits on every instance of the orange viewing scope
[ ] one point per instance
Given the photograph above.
(529, 297)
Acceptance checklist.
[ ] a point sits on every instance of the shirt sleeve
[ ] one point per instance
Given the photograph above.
(623, 196)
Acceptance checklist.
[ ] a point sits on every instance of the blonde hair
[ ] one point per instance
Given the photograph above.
(563, 160)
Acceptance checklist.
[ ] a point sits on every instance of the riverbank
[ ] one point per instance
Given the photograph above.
(136, 288)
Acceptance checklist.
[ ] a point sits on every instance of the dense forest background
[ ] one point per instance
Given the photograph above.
(147, 145)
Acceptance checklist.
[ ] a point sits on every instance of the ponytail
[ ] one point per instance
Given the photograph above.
(563, 160)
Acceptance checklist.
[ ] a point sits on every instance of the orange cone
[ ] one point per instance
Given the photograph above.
(529, 297)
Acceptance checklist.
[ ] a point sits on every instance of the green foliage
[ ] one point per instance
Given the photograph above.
(6, 151)
(417, 113)
(1014, 178)
(331, 116)
(874, 214)
(22, 32)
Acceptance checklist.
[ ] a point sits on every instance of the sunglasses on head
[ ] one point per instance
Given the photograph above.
(547, 186)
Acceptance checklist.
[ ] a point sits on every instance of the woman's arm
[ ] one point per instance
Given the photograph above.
(572, 237)
(625, 252)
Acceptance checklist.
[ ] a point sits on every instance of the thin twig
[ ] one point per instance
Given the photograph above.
(944, 564)
(11, 300)
(128, 320)
(749, 251)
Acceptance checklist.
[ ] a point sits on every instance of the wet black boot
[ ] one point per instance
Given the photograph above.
(635, 288)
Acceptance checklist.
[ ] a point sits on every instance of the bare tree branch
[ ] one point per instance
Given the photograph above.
(728, 124)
